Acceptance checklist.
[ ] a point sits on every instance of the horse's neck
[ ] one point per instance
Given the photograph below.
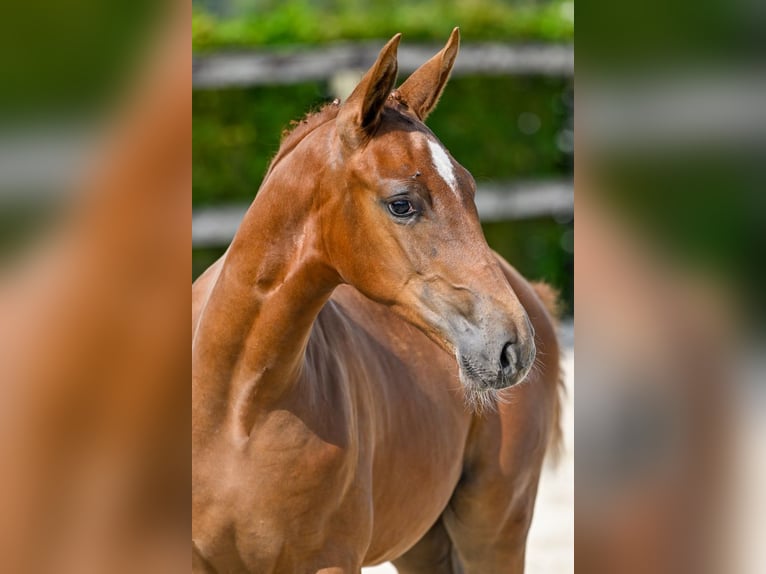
(254, 325)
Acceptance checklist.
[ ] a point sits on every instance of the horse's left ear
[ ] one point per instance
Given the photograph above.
(360, 113)
(422, 90)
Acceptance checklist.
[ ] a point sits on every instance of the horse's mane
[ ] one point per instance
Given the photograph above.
(299, 129)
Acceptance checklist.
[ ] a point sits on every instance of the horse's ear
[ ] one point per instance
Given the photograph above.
(422, 90)
(360, 113)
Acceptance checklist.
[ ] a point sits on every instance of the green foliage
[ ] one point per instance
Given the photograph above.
(311, 22)
(541, 249)
(235, 133)
(70, 59)
(202, 258)
(478, 121)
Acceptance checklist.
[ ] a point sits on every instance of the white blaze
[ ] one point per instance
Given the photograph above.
(443, 164)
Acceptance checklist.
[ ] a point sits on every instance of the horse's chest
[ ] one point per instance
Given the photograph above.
(295, 486)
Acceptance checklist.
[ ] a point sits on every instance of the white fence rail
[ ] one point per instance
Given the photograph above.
(230, 69)
(215, 226)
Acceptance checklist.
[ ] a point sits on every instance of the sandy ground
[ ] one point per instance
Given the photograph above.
(551, 538)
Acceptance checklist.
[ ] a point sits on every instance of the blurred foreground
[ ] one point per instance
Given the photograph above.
(669, 289)
(94, 335)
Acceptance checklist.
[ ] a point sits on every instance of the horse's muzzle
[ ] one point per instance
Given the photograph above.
(509, 367)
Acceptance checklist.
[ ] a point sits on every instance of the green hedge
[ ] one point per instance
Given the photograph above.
(261, 23)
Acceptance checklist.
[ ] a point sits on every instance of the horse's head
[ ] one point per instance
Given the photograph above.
(401, 225)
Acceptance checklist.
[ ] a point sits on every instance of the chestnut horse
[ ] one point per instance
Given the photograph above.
(346, 348)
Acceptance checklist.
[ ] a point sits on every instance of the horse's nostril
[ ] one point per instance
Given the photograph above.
(507, 357)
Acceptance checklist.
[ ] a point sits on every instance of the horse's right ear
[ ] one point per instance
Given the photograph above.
(360, 113)
(422, 90)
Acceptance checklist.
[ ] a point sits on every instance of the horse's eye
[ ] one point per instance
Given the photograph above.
(401, 208)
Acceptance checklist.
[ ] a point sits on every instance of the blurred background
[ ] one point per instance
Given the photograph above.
(58, 93)
(671, 192)
(95, 207)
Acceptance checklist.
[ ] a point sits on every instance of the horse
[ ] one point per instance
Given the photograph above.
(351, 351)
